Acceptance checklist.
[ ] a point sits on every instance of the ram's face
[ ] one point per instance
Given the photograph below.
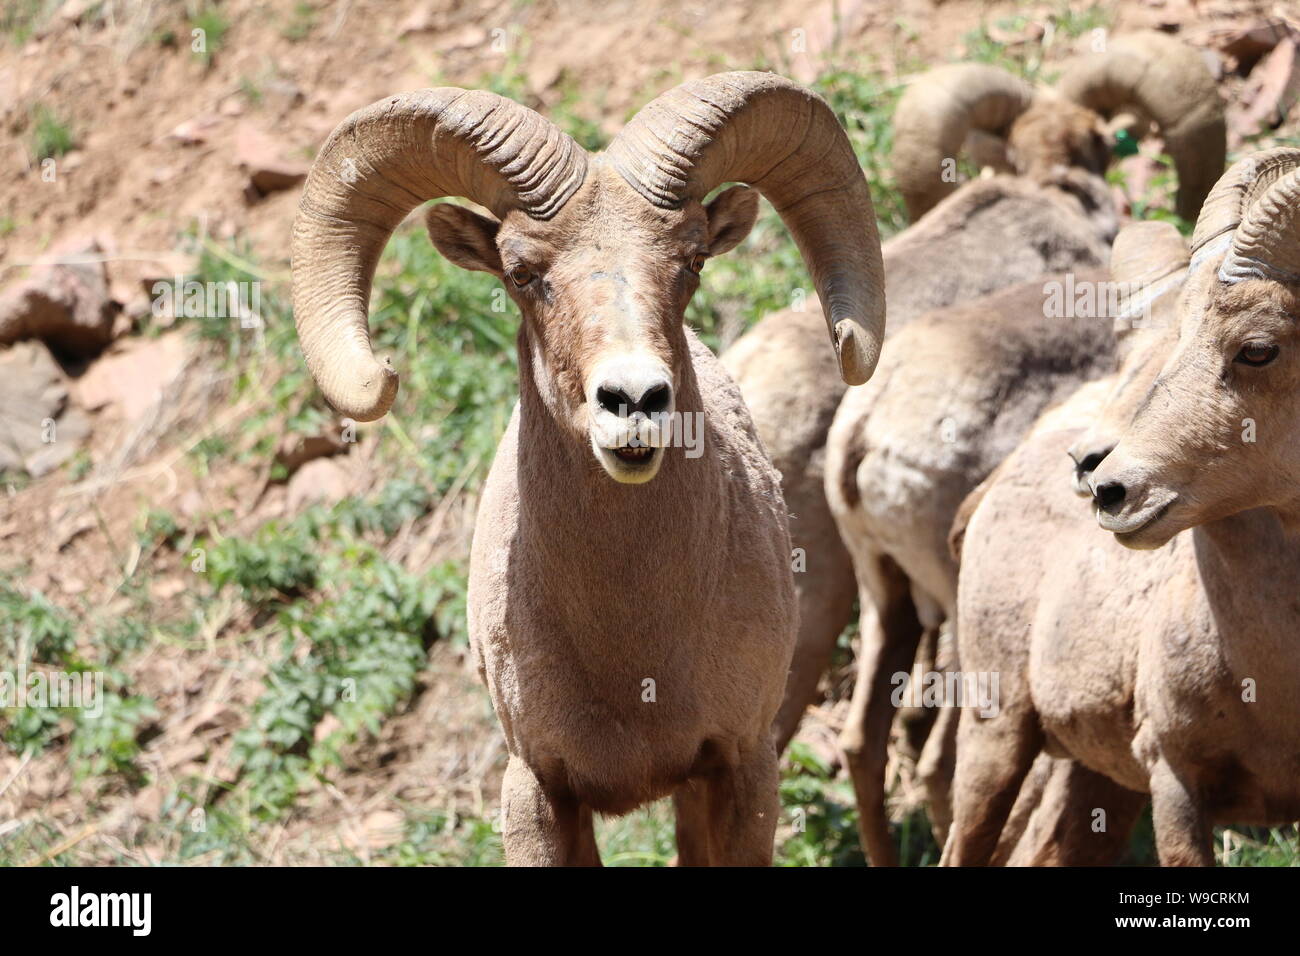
(603, 289)
(1217, 433)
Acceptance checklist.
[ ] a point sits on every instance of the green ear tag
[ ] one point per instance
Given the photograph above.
(1125, 144)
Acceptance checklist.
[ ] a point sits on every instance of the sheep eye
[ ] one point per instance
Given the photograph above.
(696, 264)
(1257, 353)
(521, 276)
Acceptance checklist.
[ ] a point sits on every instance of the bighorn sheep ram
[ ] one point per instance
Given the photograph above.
(990, 233)
(903, 453)
(631, 610)
(1172, 672)
(1141, 78)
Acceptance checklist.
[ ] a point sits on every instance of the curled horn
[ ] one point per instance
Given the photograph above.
(782, 139)
(934, 116)
(1167, 81)
(379, 164)
(1266, 245)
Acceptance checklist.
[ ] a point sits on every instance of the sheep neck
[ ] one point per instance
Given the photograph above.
(1248, 565)
(636, 546)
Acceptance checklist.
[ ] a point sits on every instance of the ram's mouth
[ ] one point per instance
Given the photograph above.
(1139, 531)
(633, 454)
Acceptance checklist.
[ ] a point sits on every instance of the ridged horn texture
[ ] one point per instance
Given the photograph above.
(934, 115)
(782, 139)
(1169, 83)
(1266, 244)
(379, 164)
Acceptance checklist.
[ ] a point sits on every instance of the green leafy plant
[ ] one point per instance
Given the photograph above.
(51, 136)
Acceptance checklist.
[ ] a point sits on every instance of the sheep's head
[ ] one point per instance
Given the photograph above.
(1139, 80)
(602, 254)
(1054, 134)
(603, 288)
(1217, 432)
(1148, 265)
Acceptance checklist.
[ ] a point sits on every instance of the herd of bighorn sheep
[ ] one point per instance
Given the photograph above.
(637, 613)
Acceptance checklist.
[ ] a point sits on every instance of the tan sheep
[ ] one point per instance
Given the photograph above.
(952, 400)
(631, 608)
(1136, 80)
(990, 233)
(1171, 672)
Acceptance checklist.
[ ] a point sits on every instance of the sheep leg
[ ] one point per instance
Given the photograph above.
(1064, 827)
(916, 723)
(1183, 830)
(825, 609)
(743, 808)
(812, 658)
(936, 767)
(691, 802)
(888, 647)
(540, 828)
(994, 755)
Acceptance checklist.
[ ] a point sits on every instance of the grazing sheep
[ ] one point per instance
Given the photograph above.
(1171, 672)
(1141, 78)
(1046, 827)
(631, 608)
(898, 442)
(992, 232)
(954, 393)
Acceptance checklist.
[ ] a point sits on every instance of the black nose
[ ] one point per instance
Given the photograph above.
(1109, 495)
(616, 401)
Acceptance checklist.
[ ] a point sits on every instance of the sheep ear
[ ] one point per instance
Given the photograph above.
(464, 237)
(731, 216)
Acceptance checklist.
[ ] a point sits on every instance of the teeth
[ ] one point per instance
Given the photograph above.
(634, 453)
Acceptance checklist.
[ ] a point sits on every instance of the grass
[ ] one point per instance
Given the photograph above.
(51, 136)
(19, 19)
(342, 629)
(208, 32)
(300, 22)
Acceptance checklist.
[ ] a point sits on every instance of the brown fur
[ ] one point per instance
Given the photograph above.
(953, 395)
(567, 625)
(1000, 230)
(1055, 134)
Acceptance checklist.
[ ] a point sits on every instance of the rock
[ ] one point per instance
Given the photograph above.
(65, 301)
(196, 130)
(420, 20)
(1272, 89)
(322, 481)
(1247, 42)
(133, 375)
(282, 94)
(464, 38)
(38, 429)
(296, 450)
(259, 156)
